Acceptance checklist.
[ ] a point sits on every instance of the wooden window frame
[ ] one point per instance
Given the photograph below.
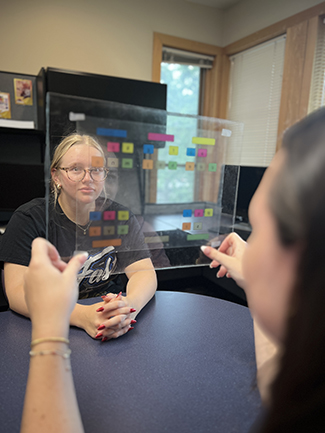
(301, 37)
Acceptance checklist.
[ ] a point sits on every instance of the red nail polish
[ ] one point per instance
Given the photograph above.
(103, 297)
(119, 294)
(132, 322)
(100, 309)
(132, 310)
(99, 335)
(100, 327)
(104, 339)
(131, 327)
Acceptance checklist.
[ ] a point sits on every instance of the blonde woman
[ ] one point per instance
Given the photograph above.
(78, 188)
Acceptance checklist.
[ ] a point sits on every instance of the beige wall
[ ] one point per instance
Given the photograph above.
(114, 37)
(249, 16)
(111, 37)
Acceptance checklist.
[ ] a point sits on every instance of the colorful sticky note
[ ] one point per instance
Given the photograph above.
(127, 163)
(173, 150)
(198, 212)
(190, 151)
(212, 166)
(123, 230)
(160, 165)
(187, 212)
(97, 161)
(200, 166)
(148, 148)
(107, 132)
(197, 226)
(127, 147)
(112, 162)
(189, 166)
(123, 215)
(186, 226)
(202, 153)
(208, 212)
(156, 239)
(95, 231)
(152, 136)
(147, 164)
(95, 216)
(108, 230)
(198, 237)
(107, 243)
(113, 146)
(109, 215)
(204, 141)
(172, 165)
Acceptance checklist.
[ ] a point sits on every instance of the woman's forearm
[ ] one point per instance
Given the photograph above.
(267, 356)
(50, 400)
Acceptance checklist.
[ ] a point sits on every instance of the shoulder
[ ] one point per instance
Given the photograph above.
(37, 204)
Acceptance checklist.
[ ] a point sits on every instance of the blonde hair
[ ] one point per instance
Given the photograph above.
(62, 149)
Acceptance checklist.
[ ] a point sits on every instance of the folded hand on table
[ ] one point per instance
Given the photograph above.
(110, 318)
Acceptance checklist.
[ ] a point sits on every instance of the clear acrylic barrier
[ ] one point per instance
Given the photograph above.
(126, 224)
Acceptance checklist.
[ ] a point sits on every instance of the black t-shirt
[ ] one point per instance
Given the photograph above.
(29, 222)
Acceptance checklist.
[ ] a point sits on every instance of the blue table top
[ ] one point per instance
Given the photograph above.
(188, 366)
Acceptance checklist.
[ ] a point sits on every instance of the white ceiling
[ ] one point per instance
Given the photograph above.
(220, 4)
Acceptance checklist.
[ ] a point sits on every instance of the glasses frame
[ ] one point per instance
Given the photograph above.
(86, 170)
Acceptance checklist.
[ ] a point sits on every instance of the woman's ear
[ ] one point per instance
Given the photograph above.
(54, 175)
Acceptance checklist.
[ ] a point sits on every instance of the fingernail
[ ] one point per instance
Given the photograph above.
(100, 327)
(100, 309)
(99, 335)
(103, 297)
(132, 310)
(104, 339)
(133, 322)
(131, 327)
(119, 294)
(217, 275)
(203, 248)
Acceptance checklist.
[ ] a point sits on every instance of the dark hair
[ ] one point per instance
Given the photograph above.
(298, 204)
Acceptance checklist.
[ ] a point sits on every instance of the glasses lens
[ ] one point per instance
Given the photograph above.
(75, 173)
(98, 174)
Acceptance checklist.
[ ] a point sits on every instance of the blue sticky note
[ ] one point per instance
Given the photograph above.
(190, 151)
(107, 132)
(148, 148)
(95, 216)
(187, 213)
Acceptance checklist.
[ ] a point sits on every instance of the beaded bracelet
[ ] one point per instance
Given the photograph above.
(48, 339)
(65, 354)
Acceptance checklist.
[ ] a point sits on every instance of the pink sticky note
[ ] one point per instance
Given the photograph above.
(109, 215)
(160, 137)
(198, 212)
(112, 146)
(202, 152)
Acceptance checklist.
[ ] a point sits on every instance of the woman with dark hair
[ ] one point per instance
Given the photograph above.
(282, 270)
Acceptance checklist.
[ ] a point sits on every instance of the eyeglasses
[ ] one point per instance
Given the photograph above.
(76, 174)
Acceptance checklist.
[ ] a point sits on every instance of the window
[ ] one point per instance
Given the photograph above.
(183, 72)
(254, 99)
(317, 91)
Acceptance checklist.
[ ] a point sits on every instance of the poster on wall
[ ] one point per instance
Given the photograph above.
(5, 112)
(23, 91)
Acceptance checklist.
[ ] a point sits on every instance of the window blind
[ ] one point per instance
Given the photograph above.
(172, 55)
(254, 99)
(317, 90)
